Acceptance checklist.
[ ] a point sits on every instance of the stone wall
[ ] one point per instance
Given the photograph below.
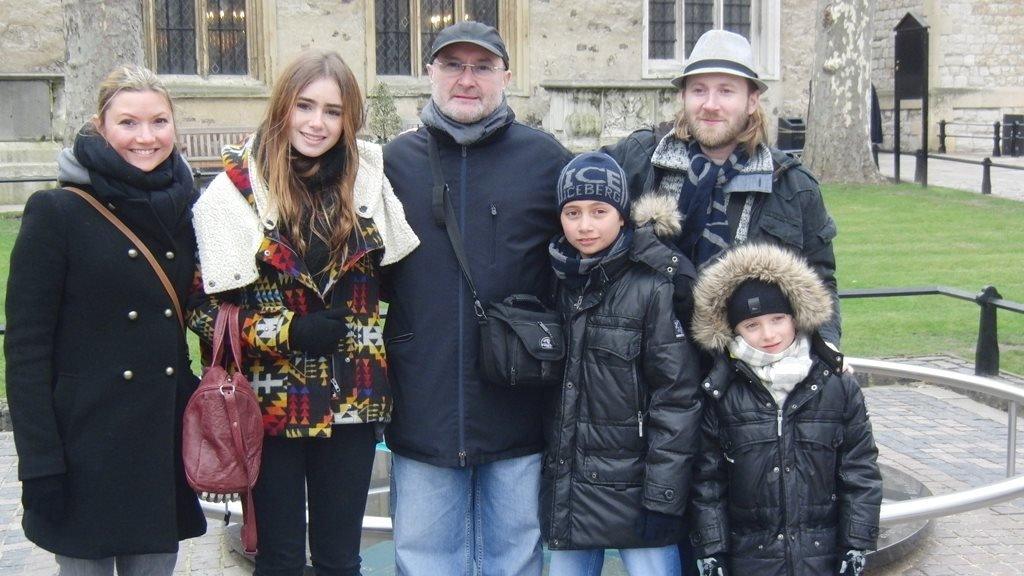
(31, 36)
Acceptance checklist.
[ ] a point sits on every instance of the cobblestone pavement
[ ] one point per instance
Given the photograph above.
(1006, 183)
(943, 438)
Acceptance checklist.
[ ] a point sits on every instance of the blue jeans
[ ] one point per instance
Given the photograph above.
(476, 521)
(662, 561)
(128, 565)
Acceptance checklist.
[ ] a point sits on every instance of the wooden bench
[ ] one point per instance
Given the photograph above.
(201, 146)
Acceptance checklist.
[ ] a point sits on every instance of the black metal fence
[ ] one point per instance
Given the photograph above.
(1007, 137)
(986, 352)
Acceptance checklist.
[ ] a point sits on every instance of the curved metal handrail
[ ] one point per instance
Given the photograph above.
(892, 512)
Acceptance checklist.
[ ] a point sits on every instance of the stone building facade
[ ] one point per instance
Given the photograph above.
(588, 72)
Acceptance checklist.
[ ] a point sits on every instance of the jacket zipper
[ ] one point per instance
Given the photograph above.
(782, 487)
(462, 304)
(494, 231)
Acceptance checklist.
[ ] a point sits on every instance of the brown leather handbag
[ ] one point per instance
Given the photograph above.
(222, 442)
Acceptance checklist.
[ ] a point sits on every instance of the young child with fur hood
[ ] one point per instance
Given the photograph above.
(788, 481)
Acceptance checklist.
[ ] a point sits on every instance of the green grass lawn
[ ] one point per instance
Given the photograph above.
(898, 236)
(890, 237)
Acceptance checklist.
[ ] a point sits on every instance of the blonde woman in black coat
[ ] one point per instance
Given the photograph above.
(97, 364)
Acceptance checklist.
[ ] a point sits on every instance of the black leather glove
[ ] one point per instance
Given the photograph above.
(712, 566)
(318, 332)
(851, 564)
(44, 496)
(653, 526)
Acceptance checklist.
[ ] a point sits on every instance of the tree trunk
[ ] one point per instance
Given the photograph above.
(838, 146)
(99, 35)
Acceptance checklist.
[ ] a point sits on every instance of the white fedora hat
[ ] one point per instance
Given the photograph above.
(721, 52)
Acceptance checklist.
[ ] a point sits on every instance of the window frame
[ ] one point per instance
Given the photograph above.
(255, 27)
(511, 26)
(765, 38)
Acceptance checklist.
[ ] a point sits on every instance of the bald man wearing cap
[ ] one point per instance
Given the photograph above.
(715, 167)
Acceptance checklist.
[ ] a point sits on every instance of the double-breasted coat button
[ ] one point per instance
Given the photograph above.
(348, 360)
(776, 469)
(826, 372)
(675, 259)
(169, 371)
(127, 375)
(168, 313)
(169, 255)
(780, 537)
(593, 475)
(133, 315)
(670, 494)
(568, 384)
(561, 461)
(707, 384)
(133, 253)
(714, 392)
(670, 270)
(814, 387)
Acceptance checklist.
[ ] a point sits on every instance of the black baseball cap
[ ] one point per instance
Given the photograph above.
(472, 32)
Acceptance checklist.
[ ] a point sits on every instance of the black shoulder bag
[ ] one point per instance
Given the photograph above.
(522, 343)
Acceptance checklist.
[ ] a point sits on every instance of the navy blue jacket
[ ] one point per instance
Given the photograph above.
(503, 192)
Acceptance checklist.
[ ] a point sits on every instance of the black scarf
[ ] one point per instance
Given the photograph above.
(167, 189)
(574, 269)
(320, 176)
(702, 203)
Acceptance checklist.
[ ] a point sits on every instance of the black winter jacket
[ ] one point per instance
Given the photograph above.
(623, 430)
(792, 214)
(503, 191)
(785, 490)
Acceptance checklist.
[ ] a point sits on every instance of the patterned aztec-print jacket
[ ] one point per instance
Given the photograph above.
(300, 394)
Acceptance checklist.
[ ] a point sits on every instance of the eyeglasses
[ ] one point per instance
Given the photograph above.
(453, 69)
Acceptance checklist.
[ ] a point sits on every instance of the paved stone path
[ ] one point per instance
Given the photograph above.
(943, 438)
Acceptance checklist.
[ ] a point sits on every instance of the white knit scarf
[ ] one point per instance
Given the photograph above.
(781, 372)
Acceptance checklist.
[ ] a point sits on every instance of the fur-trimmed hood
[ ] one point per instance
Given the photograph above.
(811, 301)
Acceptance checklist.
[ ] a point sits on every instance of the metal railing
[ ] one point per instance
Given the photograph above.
(1014, 140)
(986, 352)
(924, 508)
(921, 166)
(974, 498)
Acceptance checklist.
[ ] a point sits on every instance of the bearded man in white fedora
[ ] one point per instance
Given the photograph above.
(715, 169)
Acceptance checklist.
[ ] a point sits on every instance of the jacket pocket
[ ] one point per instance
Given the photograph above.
(752, 461)
(620, 469)
(816, 444)
(785, 230)
(611, 378)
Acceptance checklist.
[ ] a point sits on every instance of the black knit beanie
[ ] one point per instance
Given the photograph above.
(755, 298)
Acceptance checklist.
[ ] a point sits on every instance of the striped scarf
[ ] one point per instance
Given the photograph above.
(573, 268)
(702, 203)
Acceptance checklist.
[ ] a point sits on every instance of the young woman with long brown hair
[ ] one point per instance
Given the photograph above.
(295, 231)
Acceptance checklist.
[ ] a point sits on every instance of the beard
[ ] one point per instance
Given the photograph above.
(714, 137)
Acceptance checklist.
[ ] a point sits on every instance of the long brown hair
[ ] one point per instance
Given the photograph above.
(755, 134)
(297, 206)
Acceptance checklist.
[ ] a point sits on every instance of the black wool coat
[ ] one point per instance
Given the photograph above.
(624, 430)
(98, 375)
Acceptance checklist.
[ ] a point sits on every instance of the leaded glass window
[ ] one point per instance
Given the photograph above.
(394, 53)
(175, 22)
(661, 40)
(226, 42)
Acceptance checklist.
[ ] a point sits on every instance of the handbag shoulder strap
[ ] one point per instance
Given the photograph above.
(444, 213)
(106, 213)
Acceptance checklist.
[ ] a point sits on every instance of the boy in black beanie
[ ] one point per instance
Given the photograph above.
(622, 431)
(788, 480)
